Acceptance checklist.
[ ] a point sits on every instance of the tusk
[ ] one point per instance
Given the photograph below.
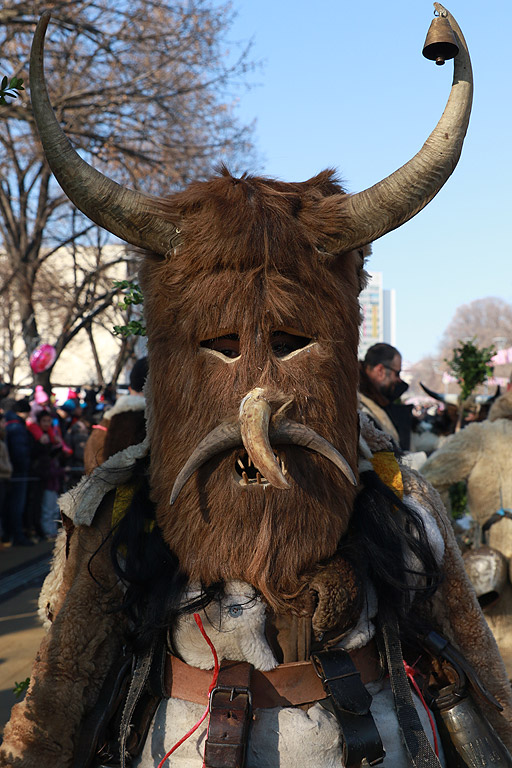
(292, 433)
(222, 438)
(254, 421)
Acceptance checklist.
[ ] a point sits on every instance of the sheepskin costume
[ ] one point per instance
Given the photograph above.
(121, 426)
(480, 455)
(86, 637)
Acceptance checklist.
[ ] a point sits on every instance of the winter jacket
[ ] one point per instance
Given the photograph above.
(5, 462)
(18, 444)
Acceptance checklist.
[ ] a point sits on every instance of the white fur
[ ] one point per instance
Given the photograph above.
(364, 630)
(82, 501)
(126, 403)
(235, 625)
(281, 737)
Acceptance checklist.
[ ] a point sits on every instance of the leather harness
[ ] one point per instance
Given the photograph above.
(335, 678)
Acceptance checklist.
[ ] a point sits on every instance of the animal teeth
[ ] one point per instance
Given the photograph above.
(258, 478)
(241, 464)
(245, 477)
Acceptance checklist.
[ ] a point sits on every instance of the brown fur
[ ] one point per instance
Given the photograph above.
(250, 264)
(73, 659)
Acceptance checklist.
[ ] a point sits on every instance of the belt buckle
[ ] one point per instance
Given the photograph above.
(233, 690)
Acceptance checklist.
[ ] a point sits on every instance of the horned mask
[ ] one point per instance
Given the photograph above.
(251, 300)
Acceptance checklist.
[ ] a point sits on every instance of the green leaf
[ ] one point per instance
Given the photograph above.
(470, 366)
(21, 688)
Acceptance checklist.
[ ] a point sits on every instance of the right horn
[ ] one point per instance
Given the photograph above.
(372, 213)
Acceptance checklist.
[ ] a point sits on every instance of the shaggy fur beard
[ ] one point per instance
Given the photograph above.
(251, 264)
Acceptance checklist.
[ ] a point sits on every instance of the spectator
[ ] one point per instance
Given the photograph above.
(67, 414)
(18, 445)
(46, 466)
(123, 425)
(77, 439)
(5, 471)
(379, 386)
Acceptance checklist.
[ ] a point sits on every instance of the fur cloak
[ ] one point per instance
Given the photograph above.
(481, 455)
(86, 636)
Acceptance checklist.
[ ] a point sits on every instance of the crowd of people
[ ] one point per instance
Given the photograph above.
(42, 445)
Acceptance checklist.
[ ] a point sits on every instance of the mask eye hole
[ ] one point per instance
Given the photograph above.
(228, 345)
(283, 343)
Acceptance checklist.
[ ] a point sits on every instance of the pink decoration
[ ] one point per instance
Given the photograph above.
(40, 396)
(42, 358)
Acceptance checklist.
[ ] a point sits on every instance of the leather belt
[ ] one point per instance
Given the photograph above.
(230, 715)
(288, 685)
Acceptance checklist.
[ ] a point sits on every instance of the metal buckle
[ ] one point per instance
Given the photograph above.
(233, 690)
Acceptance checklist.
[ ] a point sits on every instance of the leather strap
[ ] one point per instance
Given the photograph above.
(230, 714)
(415, 739)
(351, 705)
(288, 685)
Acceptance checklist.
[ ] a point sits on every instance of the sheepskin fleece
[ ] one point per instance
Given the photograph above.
(370, 407)
(454, 607)
(98, 448)
(73, 659)
(86, 636)
(82, 501)
(53, 581)
(287, 737)
(481, 454)
(235, 626)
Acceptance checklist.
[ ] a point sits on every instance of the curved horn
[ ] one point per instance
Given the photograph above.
(488, 399)
(127, 214)
(446, 399)
(254, 421)
(293, 433)
(431, 393)
(396, 199)
(222, 438)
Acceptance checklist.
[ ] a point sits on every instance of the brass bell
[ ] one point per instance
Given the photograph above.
(440, 41)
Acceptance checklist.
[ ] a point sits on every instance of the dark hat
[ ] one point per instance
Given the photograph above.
(22, 406)
(139, 374)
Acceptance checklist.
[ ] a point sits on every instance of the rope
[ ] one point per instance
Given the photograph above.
(194, 728)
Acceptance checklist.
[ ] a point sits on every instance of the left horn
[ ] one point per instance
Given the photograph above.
(372, 213)
(127, 214)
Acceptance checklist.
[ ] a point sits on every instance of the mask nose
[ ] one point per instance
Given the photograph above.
(254, 416)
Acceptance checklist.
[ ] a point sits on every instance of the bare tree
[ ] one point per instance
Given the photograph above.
(488, 320)
(146, 91)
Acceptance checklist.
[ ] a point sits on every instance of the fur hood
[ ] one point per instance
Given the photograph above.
(502, 408)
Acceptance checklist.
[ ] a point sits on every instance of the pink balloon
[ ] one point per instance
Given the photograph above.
(42, 358)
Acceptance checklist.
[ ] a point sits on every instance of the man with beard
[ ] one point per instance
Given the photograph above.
(380, 386)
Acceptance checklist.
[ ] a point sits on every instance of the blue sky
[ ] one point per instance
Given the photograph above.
(345, 85)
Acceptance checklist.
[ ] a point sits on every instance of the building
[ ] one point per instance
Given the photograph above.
(378, 314)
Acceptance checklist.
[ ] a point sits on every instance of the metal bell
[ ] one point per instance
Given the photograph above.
(440, 41)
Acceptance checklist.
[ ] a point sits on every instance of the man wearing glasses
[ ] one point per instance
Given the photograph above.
(380, 386)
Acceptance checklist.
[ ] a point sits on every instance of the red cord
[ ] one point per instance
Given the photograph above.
(199, 623)
(410, 671)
